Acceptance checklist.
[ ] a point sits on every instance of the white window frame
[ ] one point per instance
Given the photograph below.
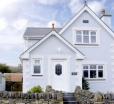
(98, 64)
(41, 66)
(90, 30)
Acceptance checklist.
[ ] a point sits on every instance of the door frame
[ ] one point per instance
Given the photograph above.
(59, 57)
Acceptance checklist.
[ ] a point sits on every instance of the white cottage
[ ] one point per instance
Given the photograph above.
(60, 57)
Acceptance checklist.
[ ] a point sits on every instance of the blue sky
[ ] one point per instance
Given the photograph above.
(16, 15)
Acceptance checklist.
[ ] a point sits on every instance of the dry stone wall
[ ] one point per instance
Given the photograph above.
(41, 98)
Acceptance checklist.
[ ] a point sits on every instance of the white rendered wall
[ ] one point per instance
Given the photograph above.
(98, 53)
(46, 50)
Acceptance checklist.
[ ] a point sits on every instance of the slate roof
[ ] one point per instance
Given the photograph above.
(38, 32)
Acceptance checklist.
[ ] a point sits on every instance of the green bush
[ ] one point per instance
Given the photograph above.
(36, 89)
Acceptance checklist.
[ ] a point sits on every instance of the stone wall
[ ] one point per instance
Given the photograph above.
(41, 98)
(87, 97)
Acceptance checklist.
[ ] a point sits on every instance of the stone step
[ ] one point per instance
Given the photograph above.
(70, 102)
(68, 94)
(69, 98)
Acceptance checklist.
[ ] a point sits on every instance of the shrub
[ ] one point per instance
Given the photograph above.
(85, 84)
(36, 89)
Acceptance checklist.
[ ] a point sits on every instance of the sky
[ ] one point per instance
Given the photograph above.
(17, 15)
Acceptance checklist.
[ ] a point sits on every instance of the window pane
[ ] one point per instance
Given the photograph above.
(85, 73)
(86, 36)
(93, 37)
(37, 61)
(100, 67)
(92, 73)
(37, 69)
(92, 66)
(85, 67)
(78, 37)
(100, 73)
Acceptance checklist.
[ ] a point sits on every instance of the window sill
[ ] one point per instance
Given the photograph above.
(35, 75)
(87, 44)
(95, 79)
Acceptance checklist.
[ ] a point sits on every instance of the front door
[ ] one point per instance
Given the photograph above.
(59, 74)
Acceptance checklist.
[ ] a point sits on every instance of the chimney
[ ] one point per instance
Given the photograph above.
(53, 26)
(106, 18)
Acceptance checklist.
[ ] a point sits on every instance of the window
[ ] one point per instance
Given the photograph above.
(93, 37)
(86, 37)
(58, 69)
(85, 67)
(100, 73)
(74, 73)
(93, 71)
(79, 37)
(85, 21)
(37, 66)
(92, 66)
(85, 73)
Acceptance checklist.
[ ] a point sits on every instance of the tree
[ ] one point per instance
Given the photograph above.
(85, 84)
(4, 68)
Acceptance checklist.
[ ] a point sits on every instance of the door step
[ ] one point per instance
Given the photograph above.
(70, 102)
(69, 98)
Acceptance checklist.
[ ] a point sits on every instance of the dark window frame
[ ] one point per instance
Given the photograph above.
(85, 21)
(58, 69)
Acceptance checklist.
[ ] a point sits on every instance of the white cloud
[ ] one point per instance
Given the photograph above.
(10, 39)
(20, 24)
(75, 5)
(5, 3)
(3, 23)
(50, 2)
(95, 5)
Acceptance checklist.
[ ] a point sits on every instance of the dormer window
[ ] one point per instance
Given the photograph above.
(86, 37)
